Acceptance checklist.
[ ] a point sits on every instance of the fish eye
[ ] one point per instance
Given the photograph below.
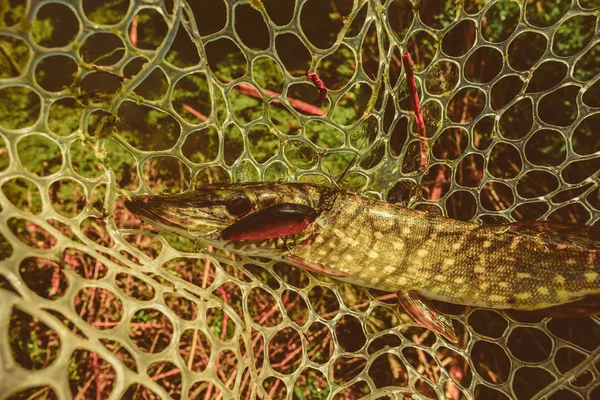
(238, 204)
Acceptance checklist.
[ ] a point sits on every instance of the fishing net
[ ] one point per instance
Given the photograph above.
(104, 99)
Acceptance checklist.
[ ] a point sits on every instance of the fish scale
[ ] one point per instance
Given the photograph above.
(525, 266)
(445, 259)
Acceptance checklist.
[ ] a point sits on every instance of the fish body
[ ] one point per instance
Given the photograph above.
(376, 244)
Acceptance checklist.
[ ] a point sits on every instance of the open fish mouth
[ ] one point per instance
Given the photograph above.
(165, 215)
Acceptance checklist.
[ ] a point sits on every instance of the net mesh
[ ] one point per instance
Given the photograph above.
(103, 99)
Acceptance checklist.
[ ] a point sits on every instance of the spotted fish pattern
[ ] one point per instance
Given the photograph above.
(392, 248)
(525, 266)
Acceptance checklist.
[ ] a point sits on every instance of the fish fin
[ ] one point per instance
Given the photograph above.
(584, 236)
(584, 307)
(422, 311)
(314, 266)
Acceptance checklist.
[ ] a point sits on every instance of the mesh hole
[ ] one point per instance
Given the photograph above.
(496, 196)
(442, 77)
(121, 353)
(320, 343)
(560, 106)
(36, 392)
(577, 172)
(517, 120)
(17, 57)
(68, 197)
(210, 16)
(275, 388)
(160, 170)
(505, 90)
(184, 308)
(263, 308)
(197, 271)
(388, 370)
(536, 183)
(139, 391)
(25, 107)
(546, 147)
(168, 376)
(583, 142)
(31, 234)
(190, 100)
(102, 49)
(591, 97)
(84, 265)
(150, 330)
(466, 105)
(310, 381)
(48, 158)
(486, 392)
(505, 161)
(285, 351)
(400, 17)
(357, 390)
(23, 194)
(251, 27)
(293, 53)
(483, 65)
(460, 39)
(151, 29)
(321, 22)
(44, 277)
(349, 334)
(226, 367)
(346, 368)
(83, 158)
(263, 144)
(33, 344)
(506, 11)
(488, 323)
(85, 367)
(102, 13)
(295, 306)
(461, 205)
(459, 369)
(546, 76)
(154, 87)
(530, 344)
(50, 15)
(545, 14)
(202, 146)
(194, 349)
(470, 170)
(565, 43)
(220, 323)
(528, 381)
(99, 307)
(422, 47)
(55, 73)
(451, 144)
(572, 213)
(147, 128)
(491, 362)
(586, 67)
(324, 302)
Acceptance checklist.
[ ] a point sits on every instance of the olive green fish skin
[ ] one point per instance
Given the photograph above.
(380, 245)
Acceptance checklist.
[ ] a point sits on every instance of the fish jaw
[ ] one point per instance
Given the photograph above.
(168, 214)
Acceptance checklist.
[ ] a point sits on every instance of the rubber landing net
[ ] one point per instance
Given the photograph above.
(102, 99)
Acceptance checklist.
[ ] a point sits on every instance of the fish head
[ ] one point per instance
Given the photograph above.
(205, 212)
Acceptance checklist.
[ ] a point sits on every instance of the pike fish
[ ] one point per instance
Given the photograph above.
(532, 266)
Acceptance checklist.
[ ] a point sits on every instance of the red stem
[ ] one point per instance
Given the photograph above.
(416, 105)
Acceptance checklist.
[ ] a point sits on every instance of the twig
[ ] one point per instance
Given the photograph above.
(196, 113)
(133, 32)
(296, 104)
(416, 106)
